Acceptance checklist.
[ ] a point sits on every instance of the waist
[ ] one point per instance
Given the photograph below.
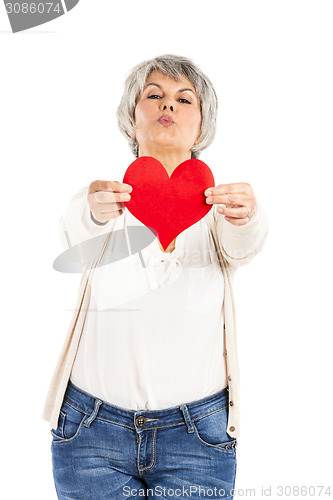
(85, 402)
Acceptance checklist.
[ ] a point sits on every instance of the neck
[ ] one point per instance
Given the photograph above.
(169, 159)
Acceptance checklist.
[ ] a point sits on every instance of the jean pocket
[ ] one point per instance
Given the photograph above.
(211, 430)
(69, 424)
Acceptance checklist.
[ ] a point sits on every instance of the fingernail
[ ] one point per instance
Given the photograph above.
(208, 193)
(209, 200)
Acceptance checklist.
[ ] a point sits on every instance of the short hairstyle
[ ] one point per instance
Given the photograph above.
(175, 67)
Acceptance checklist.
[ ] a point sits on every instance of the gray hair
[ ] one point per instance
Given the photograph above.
(175, 67)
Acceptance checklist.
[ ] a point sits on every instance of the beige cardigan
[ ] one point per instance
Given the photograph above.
(235, 246)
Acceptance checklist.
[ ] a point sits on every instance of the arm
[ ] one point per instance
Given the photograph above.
(77, 224)
(240, 243)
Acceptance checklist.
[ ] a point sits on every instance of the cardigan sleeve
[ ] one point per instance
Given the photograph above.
(77, 224)
(239, 244)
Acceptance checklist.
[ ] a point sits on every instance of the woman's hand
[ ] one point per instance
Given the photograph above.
(106, 199)
(238, 198)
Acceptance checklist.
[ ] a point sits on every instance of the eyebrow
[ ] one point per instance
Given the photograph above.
(159, 86)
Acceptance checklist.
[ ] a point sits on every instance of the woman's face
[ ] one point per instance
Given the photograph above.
(167, 115)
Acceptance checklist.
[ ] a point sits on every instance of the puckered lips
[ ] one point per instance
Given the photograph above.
(165, 120)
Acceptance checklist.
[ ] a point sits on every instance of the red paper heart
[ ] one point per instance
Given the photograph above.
(166, 205)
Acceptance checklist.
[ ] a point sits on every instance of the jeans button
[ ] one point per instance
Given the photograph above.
(140, 421)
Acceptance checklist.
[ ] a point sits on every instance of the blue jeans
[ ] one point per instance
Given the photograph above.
(104, 452)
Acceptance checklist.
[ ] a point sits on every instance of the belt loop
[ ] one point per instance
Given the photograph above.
(92, 417)
(187, 418)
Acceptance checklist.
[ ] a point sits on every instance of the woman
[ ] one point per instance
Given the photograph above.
(145, 397)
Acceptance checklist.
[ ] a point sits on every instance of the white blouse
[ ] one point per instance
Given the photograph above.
(154, 339)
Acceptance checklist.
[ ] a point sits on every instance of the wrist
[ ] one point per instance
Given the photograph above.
(96, 221)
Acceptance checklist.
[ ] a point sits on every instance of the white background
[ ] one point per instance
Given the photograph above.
(271, 65)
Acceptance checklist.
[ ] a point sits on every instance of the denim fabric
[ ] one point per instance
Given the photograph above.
(104, 452)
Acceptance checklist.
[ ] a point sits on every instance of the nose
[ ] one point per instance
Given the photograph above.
(166, 107)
